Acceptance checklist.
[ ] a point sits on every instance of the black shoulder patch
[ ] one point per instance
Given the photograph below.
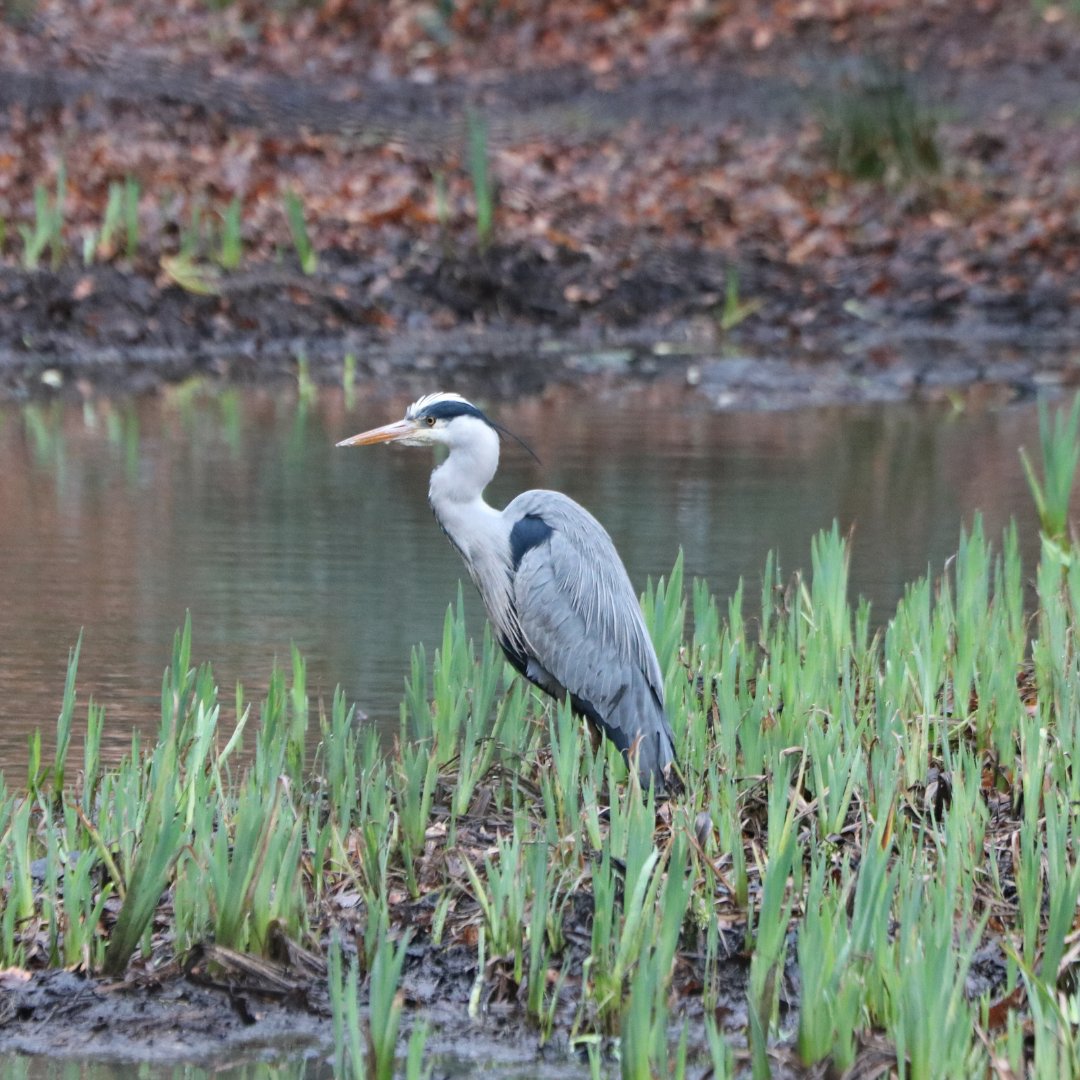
(516, 656)
(528, 532)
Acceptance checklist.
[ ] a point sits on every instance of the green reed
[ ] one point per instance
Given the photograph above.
(46, 231)
(1059, 445)
(231, 247)
(305, 250)
(480, 176)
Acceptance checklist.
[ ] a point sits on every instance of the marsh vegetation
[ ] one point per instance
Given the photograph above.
(874, 864)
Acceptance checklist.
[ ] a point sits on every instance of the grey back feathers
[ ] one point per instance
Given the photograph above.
(583, 630)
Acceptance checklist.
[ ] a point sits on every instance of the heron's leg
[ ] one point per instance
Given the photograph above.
(596, 736)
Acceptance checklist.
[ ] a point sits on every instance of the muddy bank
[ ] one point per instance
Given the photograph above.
(168, 1020)
(74, 333)
(220, 1008)
(218, 1013)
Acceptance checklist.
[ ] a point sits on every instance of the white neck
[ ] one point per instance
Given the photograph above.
(470, 465)
(457, 486)
(477, 530)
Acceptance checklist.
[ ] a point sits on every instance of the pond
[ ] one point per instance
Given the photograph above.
(119, 517)
(302, 1064)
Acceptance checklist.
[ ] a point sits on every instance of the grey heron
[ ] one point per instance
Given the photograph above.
(554, 587)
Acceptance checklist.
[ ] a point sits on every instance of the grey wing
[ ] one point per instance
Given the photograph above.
(582, 626)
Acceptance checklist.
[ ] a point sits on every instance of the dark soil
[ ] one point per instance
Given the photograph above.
(64, 1014)
(217, 1010)
(221, 1007)
(132, 338)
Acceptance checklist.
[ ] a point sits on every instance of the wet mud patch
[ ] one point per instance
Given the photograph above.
(118, 335)
(65, 1014)
(213, 1004)
(506, 322)
(214, 1012)
(226, 1007)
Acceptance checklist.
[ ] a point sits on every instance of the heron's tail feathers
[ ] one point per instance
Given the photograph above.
(653, 753)
(648, 740)
(631, 714)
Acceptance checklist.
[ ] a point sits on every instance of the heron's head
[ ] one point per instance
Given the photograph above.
(435, 418)
(442, 418)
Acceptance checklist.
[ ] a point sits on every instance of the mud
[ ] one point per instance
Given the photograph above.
(127, 337)
(65, 1014)
(213, 1013)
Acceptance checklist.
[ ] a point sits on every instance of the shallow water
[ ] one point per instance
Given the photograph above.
(271, 1065)
(25, 1067)
(119, 517)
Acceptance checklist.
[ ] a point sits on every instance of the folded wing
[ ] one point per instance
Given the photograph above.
(581, 626)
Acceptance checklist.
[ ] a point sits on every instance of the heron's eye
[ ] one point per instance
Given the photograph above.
(431, 421)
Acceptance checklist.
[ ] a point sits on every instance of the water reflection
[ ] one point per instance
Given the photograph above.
(512, 1064)
(119, 517)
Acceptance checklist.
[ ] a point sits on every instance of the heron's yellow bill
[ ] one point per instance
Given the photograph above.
(400, 429)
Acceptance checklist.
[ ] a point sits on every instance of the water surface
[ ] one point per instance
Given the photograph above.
(119, 517)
